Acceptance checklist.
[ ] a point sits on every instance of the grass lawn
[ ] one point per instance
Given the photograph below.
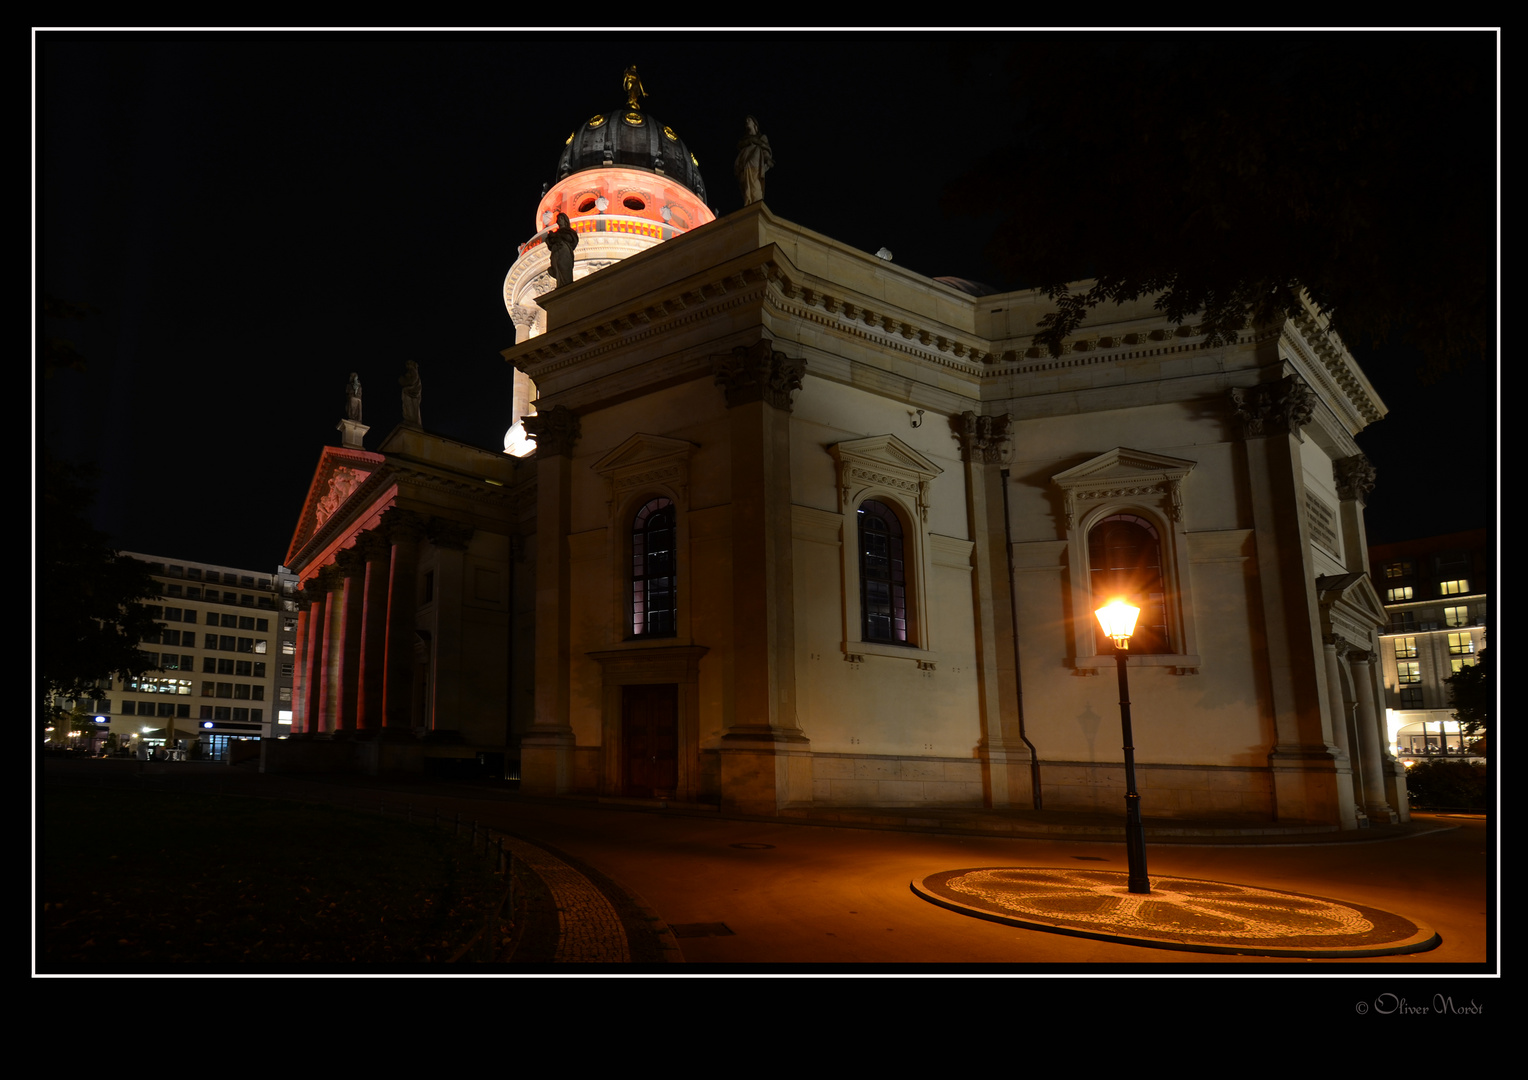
(145, 881)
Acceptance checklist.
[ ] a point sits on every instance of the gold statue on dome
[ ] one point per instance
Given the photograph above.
(631, 83)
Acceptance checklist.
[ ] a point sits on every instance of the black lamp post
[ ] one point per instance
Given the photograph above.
(1118, 620)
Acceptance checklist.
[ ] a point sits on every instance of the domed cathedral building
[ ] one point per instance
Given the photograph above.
(626, 181)
(797, 528)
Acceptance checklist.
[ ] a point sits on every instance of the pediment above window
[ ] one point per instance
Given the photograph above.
(883, 461)
(645, 461)
(1350, 605)
(1122, 473)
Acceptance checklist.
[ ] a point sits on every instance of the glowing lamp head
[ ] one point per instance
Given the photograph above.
(1118, 620)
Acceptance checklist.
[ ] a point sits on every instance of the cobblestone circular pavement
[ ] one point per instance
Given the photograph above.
(1178, 913)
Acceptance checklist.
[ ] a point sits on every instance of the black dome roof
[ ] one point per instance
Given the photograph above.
(633, 138)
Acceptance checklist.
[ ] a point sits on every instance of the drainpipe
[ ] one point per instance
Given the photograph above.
(1018, 676)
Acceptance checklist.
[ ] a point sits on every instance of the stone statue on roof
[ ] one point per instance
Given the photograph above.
(353, 398)
(754, 159)
(412, 388)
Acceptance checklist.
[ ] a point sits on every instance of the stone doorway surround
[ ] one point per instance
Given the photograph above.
(646, 665)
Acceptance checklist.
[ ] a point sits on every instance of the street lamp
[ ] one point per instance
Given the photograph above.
(1118, 620)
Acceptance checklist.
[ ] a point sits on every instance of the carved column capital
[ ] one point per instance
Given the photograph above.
(555, 430)
(982, 438)
(331, 578)
(349, 562)
(374, 545)
(1279, 408)
(1354, 476)
(758, 372)
(1338, 643)
(402, 526)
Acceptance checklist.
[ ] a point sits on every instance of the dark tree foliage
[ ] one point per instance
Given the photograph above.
(1448, 785)
(1229, 173)
(89, 598)
(1472, 693)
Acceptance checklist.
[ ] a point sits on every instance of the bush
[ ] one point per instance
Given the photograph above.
(1452, 785)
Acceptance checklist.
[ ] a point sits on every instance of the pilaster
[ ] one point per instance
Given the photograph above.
(546, 749)
(763, 764)
(1006, 760)
(450, 540)
(1270, 418)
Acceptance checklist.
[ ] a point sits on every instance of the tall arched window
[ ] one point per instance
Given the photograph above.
(1125, 559)
(654, 597)
(883, 574)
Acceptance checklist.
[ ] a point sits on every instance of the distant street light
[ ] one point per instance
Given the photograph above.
(1118, 620)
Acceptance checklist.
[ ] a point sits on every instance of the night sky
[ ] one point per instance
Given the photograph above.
(251, 216)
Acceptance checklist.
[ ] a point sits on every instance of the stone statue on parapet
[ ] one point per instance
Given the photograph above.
(754, 159)
(631, 86)
(409, 380)
(353, 398)
(560, 242)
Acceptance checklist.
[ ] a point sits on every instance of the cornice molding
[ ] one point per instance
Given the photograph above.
(1332, 368)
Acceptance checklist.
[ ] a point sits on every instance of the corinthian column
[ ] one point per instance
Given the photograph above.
(377, 553)
(1367, 722)
(351, 570)
(300, 666)
(405, 531)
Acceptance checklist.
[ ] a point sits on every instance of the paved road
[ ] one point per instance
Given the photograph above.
(811, 895)
(738, 893)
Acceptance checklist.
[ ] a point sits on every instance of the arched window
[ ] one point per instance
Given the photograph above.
(883, 574)
(654, 598)
(1125, 559)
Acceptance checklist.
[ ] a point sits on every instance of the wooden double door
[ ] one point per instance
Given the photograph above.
(650, 739)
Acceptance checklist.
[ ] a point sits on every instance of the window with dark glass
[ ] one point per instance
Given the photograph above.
(1125, 560)
(654, 600)
(883, 574)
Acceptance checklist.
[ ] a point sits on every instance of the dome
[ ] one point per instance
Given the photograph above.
(633, 138)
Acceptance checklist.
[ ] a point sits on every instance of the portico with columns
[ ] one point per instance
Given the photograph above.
(406, 558)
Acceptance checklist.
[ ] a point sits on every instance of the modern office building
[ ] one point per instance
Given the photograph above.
(219, 657)
(1436, 593)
